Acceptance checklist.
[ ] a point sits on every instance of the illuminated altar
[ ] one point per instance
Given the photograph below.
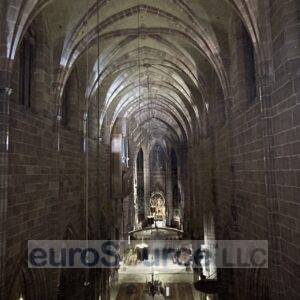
(158, 209)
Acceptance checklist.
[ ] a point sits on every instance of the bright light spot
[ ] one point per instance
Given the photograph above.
(7, 141)
(207, 106)
(58, 143)
(8, 49)
(63, 62)
(116, 145)
(167, 291)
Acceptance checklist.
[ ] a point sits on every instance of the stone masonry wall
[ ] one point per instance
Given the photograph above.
(47, 187)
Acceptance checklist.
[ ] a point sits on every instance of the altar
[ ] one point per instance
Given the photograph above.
(155, 225)
(157, 217)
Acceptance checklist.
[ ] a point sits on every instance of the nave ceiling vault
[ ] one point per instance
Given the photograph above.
(140, 56)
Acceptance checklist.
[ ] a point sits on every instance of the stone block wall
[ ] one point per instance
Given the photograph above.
(252, 175)
(47, 176)
(285, 112)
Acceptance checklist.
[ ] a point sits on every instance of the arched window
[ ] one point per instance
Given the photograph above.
(158, 159)
(140, 185)
(174, 162)
(176, 197)
(140, 160)
(249, 61)
(65, 104)
(27, 60)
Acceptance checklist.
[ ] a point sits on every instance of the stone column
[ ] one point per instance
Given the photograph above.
(185, 196)
(169, 194)
(146, 181)
(4, 143)
(182, 194)
(135, 195)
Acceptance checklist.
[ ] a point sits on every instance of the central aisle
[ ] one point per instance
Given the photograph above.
(181, 291)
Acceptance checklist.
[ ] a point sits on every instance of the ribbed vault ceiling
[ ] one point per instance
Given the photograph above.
(149, 61)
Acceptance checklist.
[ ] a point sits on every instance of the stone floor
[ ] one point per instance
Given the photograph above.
(182, 291)
(178, 291)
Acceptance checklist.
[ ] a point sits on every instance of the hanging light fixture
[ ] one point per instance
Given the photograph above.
(86, 283)
(148, 97)
(151, 114)
(154, 287)
(139, 60)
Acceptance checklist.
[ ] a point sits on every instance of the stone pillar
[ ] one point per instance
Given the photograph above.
(135, 195)
(210, 243)
(147, 181)
(4, 143)
(190, 186)
(169, 192)
(182, 194)
(186, 178)
(185, 196)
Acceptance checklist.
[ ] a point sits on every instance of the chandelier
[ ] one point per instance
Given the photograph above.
(154, 287)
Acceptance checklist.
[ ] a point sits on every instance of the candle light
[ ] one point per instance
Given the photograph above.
(167, 291)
